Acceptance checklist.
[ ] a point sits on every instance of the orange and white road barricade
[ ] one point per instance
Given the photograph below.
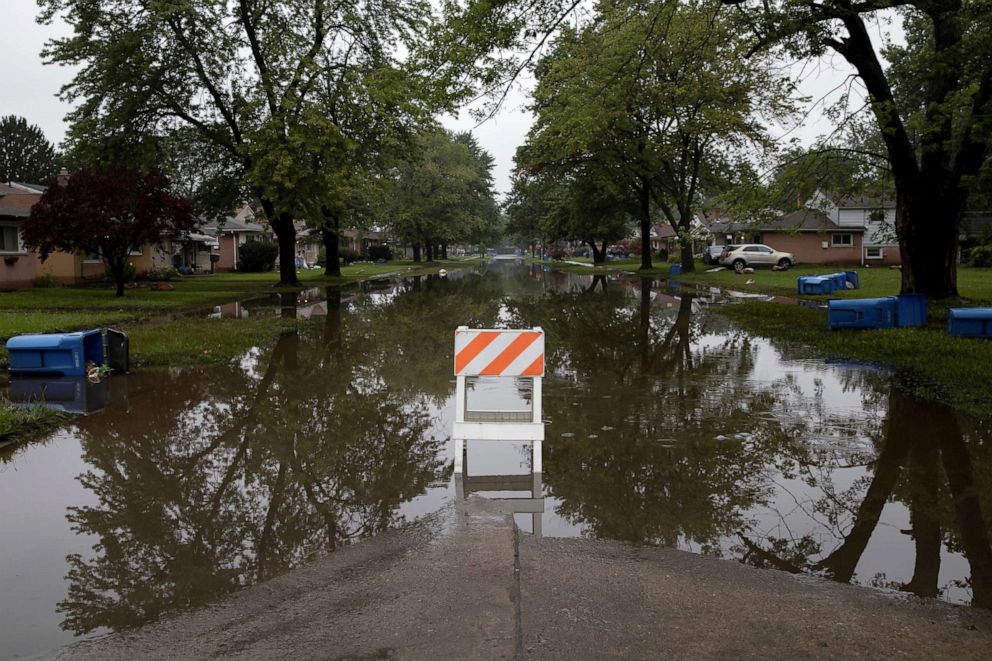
(498, 353)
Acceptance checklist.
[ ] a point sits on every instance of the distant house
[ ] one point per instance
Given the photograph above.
(308, 243)
(234, 232)
(360, 240)
(809, 234)
(18, 267)
(875, 216)
(189, 252)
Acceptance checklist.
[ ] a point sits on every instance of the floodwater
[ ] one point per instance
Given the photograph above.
(664, 425)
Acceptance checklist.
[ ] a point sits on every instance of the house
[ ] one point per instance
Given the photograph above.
(308, 244)
(807, 233)
(232, 233)
(876, 216)
(189, 252)
(18, 267)
(360, 241)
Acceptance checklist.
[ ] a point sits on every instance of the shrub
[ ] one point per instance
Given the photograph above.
(380, 252)
(164, 275)
(557, 251)
(46, 282)
(258, 257)
(129, 273)
(347, 255)
(981, 256)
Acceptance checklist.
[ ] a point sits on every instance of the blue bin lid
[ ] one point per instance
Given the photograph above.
(970, 313)
(45, 341)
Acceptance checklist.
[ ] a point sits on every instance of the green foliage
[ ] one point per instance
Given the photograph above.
(26, 156)
(443, 193)
(380, 252)
(46, 282)
(646, 110)
(22, 423)
(347, 255)
(257, 257)
(163, 275)
(981, 256)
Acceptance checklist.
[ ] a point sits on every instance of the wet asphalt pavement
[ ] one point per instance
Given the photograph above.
(464, 584)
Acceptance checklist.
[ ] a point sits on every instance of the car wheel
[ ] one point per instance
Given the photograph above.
(785, 263)
(740, 265)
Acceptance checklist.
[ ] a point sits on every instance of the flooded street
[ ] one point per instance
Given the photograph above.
(665, 425)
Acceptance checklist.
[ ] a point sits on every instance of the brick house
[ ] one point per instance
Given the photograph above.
(18, 267)
(876, 216)
(234, 232)
(809, 234)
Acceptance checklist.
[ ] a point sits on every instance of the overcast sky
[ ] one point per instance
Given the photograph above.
(29, 88)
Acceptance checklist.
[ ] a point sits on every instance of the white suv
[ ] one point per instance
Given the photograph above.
(739, 257)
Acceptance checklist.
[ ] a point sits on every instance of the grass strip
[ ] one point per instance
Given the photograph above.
(927, 361)
(23, 423)
(201, 341)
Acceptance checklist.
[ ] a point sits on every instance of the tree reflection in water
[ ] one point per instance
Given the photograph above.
(233, 475)
(645, 446)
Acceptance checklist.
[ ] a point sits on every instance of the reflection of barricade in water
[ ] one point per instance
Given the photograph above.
(500, 353)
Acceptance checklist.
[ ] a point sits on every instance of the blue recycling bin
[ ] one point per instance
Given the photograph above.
(862, 313)
(911, 310)
(970, 322)
(816, 284)
(72, 394)
(840, 280)
(66, 354)
(675, 269)
(852, 277)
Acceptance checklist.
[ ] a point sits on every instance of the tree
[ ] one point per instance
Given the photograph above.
(25, 155)
(442, 195)
(110, 214)
(931, 106)
(241, 74)
(656, 99)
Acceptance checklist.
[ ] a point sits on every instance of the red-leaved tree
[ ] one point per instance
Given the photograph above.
(110, 214)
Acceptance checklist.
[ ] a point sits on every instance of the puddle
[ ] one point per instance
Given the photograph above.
(664, 425)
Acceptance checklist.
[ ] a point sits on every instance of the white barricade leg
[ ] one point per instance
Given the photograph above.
(536, 457)
(459, 452)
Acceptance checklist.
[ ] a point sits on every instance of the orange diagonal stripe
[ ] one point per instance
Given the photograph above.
(536, 368)
(509, 354)
(472, 349)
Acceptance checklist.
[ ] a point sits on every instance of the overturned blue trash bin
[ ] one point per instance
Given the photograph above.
(66, 354)
(852, 278)
(912, 310)
(862, 313)
(970, 322)
(816, 284)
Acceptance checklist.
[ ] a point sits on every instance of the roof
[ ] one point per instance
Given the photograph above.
(885, 201)
(28, 188)
(800, 220)
(239, 222)
(16, 202)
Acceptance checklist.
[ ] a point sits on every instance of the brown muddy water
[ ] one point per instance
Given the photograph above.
(664, 425)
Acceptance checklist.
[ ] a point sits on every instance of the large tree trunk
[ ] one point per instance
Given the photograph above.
(430, 250)
(117, 270)
(927, 225)
(598, 254)
(330, 234)
(416, 251)
(444, 251)
(645, 213)
(282, 225)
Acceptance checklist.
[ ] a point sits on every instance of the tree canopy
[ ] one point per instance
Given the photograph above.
(26, 155)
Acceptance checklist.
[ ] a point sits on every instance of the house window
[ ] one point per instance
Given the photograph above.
(873, 253)
(843, 240)
(137, 251)
(92, 256)
(10, 240)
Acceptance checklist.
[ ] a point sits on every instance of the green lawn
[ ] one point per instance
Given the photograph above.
(197, 340)
(18, 424)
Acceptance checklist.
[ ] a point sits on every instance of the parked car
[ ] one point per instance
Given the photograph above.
(712, 254)
(752, 255)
